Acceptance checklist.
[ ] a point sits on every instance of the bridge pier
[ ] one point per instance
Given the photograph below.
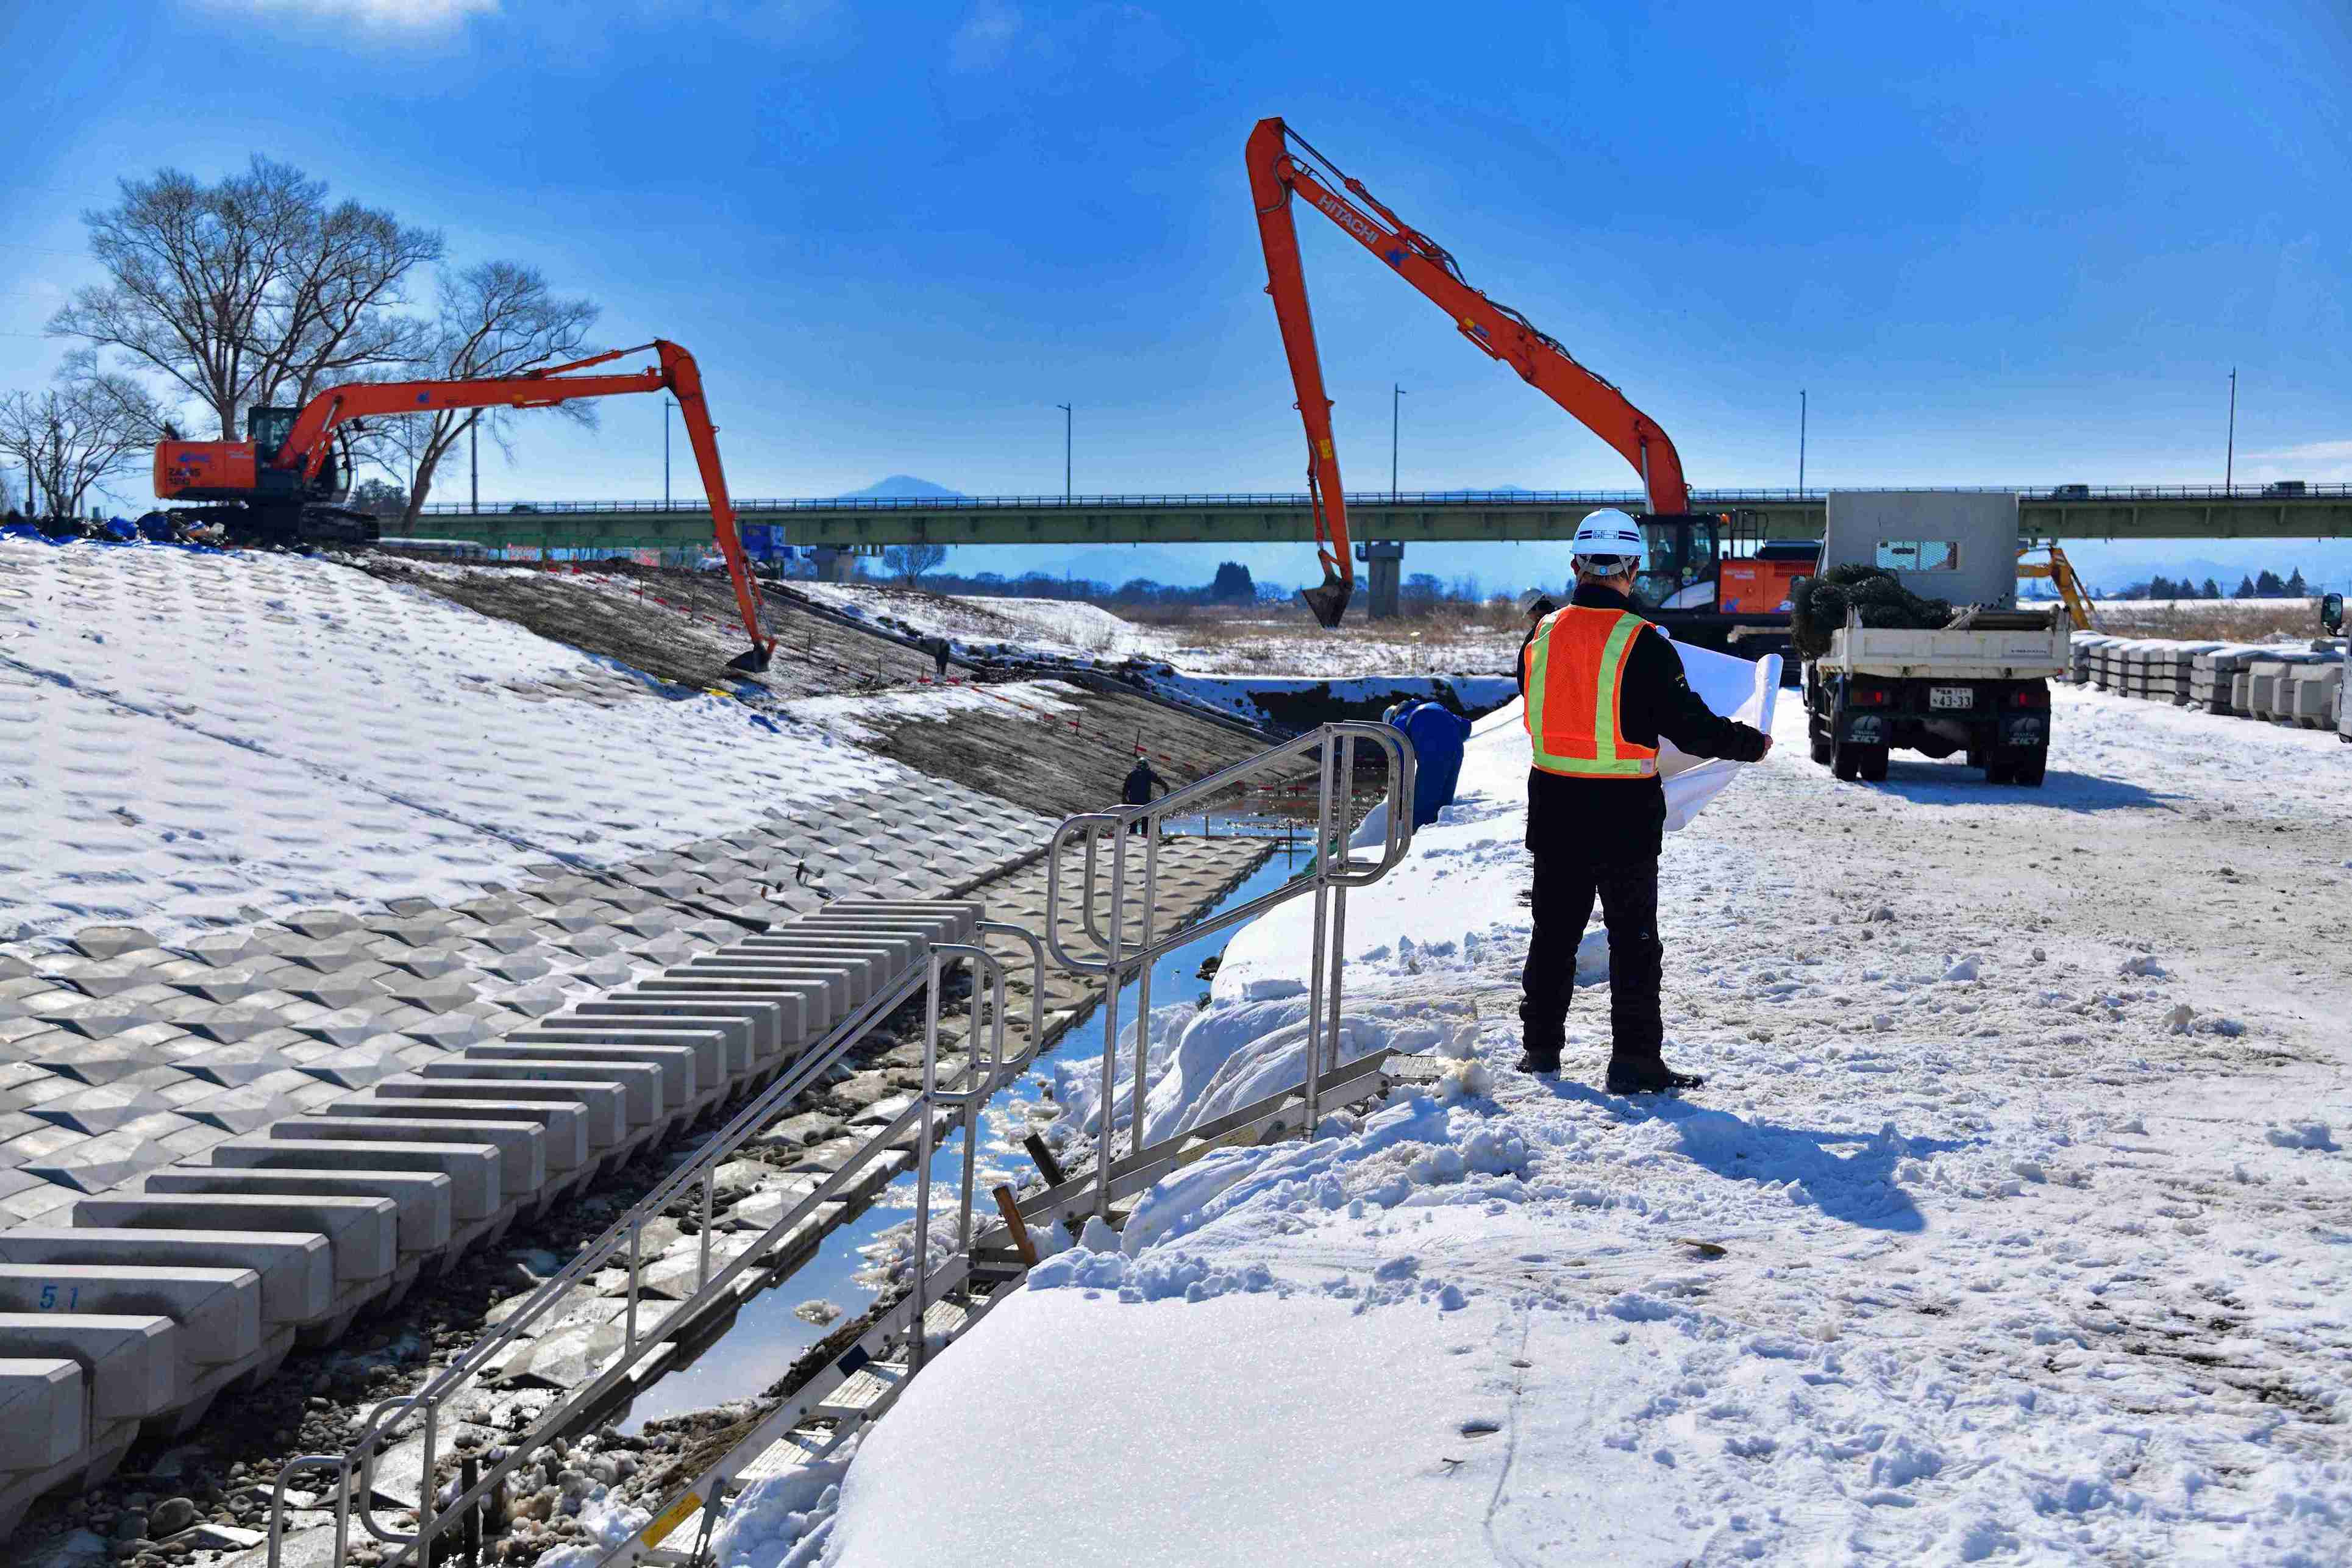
(836, 563)
(1384, 562)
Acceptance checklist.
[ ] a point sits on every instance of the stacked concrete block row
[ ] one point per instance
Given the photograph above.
(2299, 686)
(210, 1150)
(142, 1306)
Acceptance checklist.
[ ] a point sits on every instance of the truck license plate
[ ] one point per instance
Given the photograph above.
(1951, 697)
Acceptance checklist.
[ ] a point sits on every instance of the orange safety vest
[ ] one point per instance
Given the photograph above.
(1575, 665)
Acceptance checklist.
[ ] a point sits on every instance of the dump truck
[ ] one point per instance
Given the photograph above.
(1978, 685)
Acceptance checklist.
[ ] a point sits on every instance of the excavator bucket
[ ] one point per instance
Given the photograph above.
(753, 659)
(1330, 602)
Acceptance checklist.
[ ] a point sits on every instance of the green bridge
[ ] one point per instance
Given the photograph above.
(2059, 512)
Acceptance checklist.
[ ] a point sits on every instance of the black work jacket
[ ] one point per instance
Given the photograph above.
(1614, 819)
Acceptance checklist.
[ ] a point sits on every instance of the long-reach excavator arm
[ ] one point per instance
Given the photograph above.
(309, 443)
(1281, 163)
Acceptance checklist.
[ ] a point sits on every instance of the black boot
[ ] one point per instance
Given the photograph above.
(1647, 1075)
(1543, 1039)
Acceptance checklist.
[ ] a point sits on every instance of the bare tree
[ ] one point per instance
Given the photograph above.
(907, 563)
(497, 318)
(249, 291)
(73, 435)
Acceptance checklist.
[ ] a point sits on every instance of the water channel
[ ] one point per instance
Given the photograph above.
(768, 1335)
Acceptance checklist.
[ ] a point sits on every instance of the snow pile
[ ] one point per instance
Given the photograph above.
(1966, 1252)
(981, 627)
(188, 737)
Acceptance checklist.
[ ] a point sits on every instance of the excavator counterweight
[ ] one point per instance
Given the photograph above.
(292, 467)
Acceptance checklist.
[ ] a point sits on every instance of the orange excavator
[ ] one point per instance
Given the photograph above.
(283, 481)
(1683, 546)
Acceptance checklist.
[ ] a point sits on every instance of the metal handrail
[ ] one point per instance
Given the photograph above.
(2256, 490)
(624, 1233)
(340, 1465)
(976, 1089)
(1335, 870)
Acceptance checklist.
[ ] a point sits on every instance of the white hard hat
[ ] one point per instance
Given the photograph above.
(1607, 534)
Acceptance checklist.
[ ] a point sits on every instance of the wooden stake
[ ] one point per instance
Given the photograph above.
(1013, 1223)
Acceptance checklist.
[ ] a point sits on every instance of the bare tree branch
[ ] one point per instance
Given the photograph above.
(70, 438)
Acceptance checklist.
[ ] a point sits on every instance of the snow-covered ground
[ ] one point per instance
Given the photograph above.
(189, 737)
(1268, 645)
(2015, 1223)
(853, 718)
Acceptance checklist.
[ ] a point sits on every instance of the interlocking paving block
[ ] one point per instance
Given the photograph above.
(448, 1030)
(473, 1170)
(522, 1144)
(218, 1310)
(372, 1060)
(336, 991)
(533, 1001)
(320, 923)
(361, 1230)
(430, 962)
(108, 941)
(236, 1023)
(602, 973)
(491, 910)
(13, 967)
(412, 908)
(638, 1084)
(130, 1359)
(222, 948)
(330, 956)
(597, 941)
(509, 939)
(94, 1164)
(43, 1412)
(237, 1110)
(236, 1065)
(444, 995)
(87, 1061)
(410, 932)
(95, 1018)
(577, 916)
(102, 1108)
(425, 1197)
(519, 966)
(105, 978)
(298, 1282)
(344, 1026)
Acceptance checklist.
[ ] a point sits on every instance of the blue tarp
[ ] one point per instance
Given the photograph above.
(1437, 734)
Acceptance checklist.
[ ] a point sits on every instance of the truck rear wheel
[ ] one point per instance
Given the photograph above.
(1821, 750)
(2030, 769)
(1999, 769)
(1846, 761)
(1874, 763)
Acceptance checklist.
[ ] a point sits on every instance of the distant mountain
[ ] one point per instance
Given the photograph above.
(901, 484)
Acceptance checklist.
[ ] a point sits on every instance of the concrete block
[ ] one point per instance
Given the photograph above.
(361, 1231)
(817, 1011)
(130, 1361)
(356, 1066)
(604, 1105)
(320, 924)
(105, 978)
(847, 980)
(218, 1310)
(899, 951)
(522, 1145)
(43, 1411)
(449, 1030)
(429, 962)
(758, 1027)
(692, 1059)
(103, 943)
(95, 1165)
(471, 1169)
(721, 1056)
(565, 1122)
(951, 920)
(427, 1216)
(103, 1108)
(236, 1023)
(638, 1084)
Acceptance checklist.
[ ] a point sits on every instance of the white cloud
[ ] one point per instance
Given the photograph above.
(375, 16)
(985, 38)
(2311, 452)
(2315, 462)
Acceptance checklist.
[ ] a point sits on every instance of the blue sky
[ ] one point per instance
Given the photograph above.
(1994, 243)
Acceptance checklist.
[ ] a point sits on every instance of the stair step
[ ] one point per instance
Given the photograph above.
(871, 1384)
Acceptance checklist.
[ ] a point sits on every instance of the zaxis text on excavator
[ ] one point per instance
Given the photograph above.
(1678, 589)
(281, 484)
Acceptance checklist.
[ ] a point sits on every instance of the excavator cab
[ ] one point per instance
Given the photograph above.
(267, 429)
(1681, 555)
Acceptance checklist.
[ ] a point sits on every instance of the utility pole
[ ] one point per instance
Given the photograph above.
(474, 454)
(666, 406)
(1800, 440)
(1396, 403)
(1069, 430)
(2230, 461)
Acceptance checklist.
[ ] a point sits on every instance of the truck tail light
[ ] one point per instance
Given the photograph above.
(1866, 696)
(2030, 697)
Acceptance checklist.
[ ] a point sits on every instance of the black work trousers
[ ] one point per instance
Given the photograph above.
(1575, 867)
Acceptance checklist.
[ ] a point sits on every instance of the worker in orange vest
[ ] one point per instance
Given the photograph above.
(1602, 685)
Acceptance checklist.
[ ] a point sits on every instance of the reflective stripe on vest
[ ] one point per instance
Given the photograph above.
(1576, 667)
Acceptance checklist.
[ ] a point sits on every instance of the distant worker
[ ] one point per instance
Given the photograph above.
(1137, 790)
(1602, 687)
(940, 656)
